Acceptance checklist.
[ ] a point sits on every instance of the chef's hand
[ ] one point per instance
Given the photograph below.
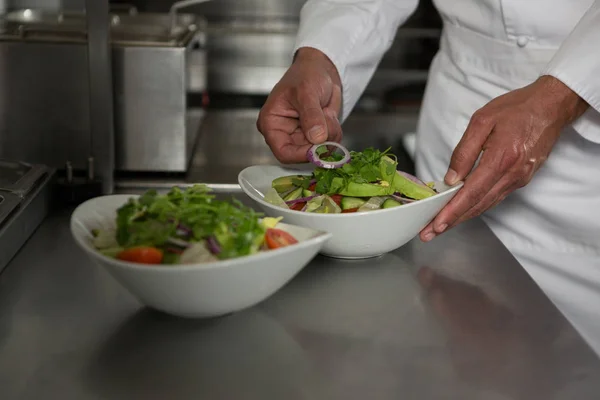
(516, 133)
(303, 107)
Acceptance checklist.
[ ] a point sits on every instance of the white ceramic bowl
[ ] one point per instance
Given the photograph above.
(356, 235)
(197, 290)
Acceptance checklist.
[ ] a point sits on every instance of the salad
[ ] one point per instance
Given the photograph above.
(187, 226)
(348, 182)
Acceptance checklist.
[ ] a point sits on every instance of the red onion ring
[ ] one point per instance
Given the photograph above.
(412, 178)
(299, 200)
(314, 158)
(401, 199)
(213, 245)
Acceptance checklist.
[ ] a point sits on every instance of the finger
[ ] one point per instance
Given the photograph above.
(291, 153)
(267, 123)
(477, 185)
(285, 139)
(469, 147)
(334, 128)
(499, 192)
(312, 118)
(335, 103)
(285, 149)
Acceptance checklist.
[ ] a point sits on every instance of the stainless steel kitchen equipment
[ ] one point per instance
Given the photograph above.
(45, 70)
(25, 195)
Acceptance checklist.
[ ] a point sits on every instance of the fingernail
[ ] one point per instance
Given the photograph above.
(429, 236)
(451, 177)
(441, 228)
(316, 133)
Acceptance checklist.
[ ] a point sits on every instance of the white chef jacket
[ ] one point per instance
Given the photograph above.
(489, 47)
(356, 33)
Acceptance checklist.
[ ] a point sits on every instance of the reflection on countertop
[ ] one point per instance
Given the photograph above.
(454, 319)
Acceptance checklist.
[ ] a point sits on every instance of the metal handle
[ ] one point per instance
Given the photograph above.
(24, 30)
(178, 6)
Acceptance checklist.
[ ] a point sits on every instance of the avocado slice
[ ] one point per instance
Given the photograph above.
(286, 183)
(412, 189)
(389, 203)
(349, 203)
(293, 195)
(366, 189)
(387, 169)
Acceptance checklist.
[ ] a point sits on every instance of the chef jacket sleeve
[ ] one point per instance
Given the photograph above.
(577, 65)
(354, 34)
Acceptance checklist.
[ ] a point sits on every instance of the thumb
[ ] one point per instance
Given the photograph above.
(312, 117)
(469, 148)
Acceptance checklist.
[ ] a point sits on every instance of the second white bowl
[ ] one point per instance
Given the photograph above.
(356, 235)
(197, 290)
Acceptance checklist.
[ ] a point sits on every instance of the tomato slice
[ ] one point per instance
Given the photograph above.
(312, 187)
(350, 210)
(277, 238)
(142, 255)
(337, 198)
(298, 206)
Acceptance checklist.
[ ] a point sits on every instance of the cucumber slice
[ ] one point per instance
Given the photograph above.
(307, 193)
(349, 203)
(389, 203)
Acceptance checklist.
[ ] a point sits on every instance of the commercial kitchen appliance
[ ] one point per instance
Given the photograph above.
(25, 198)
(44, 105)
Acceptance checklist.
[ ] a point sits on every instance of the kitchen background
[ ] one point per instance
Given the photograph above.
(185, 99)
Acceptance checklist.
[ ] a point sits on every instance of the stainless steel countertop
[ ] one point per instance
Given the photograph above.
(454, 319)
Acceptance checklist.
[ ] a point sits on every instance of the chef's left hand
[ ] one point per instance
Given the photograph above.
(516, 132)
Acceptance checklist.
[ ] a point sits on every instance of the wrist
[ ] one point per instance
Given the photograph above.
(566, 103)
(314, 56)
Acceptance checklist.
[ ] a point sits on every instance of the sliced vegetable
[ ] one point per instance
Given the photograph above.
(349, 210)
(104, 239)
(284, 184)
(293, 195)
(349, 203)
(270, 222)
(273, 197)
(186, 226)
(390, 203)
(276, 238)
(402, 199)
(197, 253)
(299, 200)
(328, 155)
(411, 178)
(213, 245)
(369, 177)
(412, 189)
(374, 203)
(298, 206)
(142, 255)
(337, 198)
(323, 205)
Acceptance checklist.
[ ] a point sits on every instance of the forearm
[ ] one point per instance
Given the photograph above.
(577, 66)
(354, 35)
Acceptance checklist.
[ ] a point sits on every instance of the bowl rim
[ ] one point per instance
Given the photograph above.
(452, 189)
(319, 238)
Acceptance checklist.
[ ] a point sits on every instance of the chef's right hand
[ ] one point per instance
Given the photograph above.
(303, 107)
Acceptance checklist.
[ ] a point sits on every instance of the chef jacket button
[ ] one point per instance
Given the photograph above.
(522, 41)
